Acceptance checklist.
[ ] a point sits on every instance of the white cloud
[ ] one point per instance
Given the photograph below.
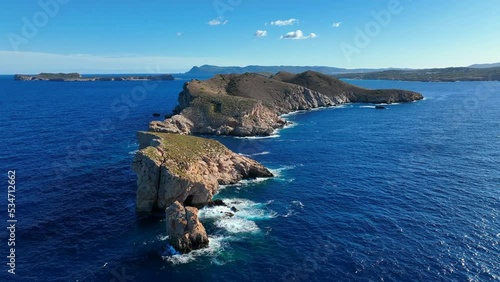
(218, 21)
(261, 33)
(337, 24)
(298, 34)
(285, 22)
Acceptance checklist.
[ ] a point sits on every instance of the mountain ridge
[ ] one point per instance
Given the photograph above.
(213, 69)
(476, 72)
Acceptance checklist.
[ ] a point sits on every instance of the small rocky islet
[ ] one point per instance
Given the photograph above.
(178, 173)
(76, 77)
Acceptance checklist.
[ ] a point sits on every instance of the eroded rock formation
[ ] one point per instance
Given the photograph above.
(187, 169)
(185, 231)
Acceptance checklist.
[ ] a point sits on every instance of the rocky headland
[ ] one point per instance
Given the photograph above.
(178, 173)
(67, 77)
(251, 104)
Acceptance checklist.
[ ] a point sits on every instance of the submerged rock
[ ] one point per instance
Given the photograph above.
(185, 231)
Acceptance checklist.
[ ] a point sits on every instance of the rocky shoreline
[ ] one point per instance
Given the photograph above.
(177, 173)
(73, 77)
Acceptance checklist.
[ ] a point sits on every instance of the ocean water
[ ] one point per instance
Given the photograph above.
(410, 193)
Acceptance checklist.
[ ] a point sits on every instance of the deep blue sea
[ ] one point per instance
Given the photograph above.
(411, 193)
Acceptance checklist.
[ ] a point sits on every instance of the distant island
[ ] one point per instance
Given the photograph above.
(431, 75)
(478, 72)
(210, 70)
(177, 173)
(78, 77)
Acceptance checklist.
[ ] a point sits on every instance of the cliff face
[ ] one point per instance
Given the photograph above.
(251, 104)
(187, 169)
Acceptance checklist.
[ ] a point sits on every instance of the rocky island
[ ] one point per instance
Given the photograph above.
(78, 77)
(251, 104)
(178, 173)
(182, 173)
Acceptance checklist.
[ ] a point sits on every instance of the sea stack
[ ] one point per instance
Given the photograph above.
(185, 232)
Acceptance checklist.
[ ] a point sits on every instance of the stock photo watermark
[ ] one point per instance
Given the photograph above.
(223, 6)
(302, 270)
(121, 276)
(11, 221)
(48, 9)
(364, 35)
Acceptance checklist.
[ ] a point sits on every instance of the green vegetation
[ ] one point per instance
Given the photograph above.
(181, 150)
(59, 75)
(218, 108)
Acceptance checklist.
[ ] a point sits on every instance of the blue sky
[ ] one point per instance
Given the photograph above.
(126, 36)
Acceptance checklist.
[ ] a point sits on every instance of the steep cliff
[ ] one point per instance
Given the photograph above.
(187, 169)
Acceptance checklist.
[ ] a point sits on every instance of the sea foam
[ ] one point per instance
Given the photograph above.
(215, 247)
(241, 221)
